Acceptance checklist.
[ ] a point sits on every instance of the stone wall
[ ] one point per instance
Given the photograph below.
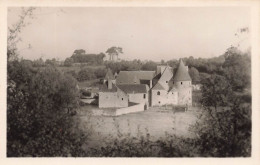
(182, 84)
(135, 108)
(164, 97)
(185, 96)
(112, 99)
(184, 89)
(139, 98)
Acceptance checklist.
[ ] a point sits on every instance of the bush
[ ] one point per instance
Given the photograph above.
(38, 122)
(86, 74)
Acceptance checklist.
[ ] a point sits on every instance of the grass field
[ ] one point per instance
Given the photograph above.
(156, 122)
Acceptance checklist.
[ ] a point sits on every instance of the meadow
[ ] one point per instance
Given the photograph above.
(155, 122)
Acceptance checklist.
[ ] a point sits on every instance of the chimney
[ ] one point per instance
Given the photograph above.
(109, 85)
(158, 69)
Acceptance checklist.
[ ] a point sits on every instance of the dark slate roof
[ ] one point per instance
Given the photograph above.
(182, 74)
(109, 75)
(133, 88)
(129, 77)
(104, 88)
(158, 86)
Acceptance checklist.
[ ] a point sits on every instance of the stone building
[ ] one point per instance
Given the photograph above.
(137, 93)
(110, 96)
(172, 88)
(153, 88)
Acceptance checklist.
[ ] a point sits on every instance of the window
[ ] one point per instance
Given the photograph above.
(166, 81)
(181, 83)
(122, 98)
(144, 96)
(159, 102)
(158, 93)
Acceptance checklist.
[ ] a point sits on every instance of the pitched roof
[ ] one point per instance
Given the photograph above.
(129, 77)
(158, 86)
(182, 74)
(104, 88)
(165, 80)
(109, 75)
(134, 88)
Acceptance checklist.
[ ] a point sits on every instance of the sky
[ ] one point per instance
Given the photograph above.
(146, 33)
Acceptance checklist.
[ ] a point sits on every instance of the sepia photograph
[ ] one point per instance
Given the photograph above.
(125, 82)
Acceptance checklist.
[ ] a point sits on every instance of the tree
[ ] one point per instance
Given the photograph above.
(51, 62)
(237, 68)
(79, 56)
(173, 63)
(100, 58)
(114, 51)
(68, 61)
(38, 63)
(150, 65)
(195, 75)
(86, 74)
(37, 98)
(14, 31)
(79, 52)
(162, 62)
(39, 104)
(224, 127)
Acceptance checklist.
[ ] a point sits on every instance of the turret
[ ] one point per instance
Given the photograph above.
(182, 83)
(182, 78)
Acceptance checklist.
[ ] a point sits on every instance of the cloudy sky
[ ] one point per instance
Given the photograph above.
(144, 33)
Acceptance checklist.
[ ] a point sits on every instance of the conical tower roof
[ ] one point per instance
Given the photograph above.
(182, 74)
(109, 75)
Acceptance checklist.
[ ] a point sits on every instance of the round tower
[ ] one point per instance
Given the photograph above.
(182, 82)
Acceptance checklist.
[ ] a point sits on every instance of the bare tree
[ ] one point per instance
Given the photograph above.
(14, 31)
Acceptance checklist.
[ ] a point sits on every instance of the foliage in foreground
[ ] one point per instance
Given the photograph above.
(39, 122)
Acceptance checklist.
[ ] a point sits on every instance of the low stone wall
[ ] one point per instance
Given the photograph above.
(131, 109)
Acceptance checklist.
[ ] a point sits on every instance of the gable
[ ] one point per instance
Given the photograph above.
(165, 78)
(104, 88)
(158, 86)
